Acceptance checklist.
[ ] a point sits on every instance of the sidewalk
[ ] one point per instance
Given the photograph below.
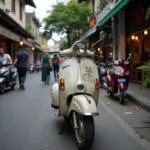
(141, 98)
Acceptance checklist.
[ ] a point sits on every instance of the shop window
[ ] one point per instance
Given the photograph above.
(135, 47)
(13, 5)
(21, 11)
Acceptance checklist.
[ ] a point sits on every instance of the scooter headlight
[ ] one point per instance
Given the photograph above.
(80, 48)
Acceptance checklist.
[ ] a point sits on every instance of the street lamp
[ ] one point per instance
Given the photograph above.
(21, 43)
(33, 48)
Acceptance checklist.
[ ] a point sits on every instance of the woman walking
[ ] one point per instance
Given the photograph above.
(46, 68)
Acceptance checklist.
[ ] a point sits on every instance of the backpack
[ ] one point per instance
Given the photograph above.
(55, 62)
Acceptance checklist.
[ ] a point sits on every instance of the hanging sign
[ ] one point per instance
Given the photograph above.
(92, 21)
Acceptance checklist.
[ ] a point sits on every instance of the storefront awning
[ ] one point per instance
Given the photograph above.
(110, 14)
(27, 43)
(88, 33)
(39, 48)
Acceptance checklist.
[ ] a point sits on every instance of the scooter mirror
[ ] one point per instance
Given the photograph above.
(130, 55)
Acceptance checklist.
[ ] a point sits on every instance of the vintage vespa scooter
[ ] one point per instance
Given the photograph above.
(76, 95)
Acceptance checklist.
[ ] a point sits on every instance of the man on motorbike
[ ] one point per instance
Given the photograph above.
(4, 57)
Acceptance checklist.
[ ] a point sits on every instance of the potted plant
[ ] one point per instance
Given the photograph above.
(145, 68)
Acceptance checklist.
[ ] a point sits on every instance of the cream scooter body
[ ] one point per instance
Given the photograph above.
(80, 94)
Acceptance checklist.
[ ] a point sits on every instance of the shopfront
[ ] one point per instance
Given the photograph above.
(9, 41)
(138, 36)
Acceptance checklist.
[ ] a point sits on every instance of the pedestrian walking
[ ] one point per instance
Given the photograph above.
(55, 62)
(21, 63)
(61, 59)
(46, 68)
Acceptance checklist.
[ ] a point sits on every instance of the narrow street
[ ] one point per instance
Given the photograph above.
(27, 122)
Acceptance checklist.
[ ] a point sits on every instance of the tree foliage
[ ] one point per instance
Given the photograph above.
(147, 79)
(64, 44)
(68, 18)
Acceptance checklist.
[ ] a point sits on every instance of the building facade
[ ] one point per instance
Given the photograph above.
(12, 24)
(138, 36)
(33, 27)
(126, 24)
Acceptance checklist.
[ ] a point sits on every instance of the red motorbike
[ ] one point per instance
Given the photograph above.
(117, 79)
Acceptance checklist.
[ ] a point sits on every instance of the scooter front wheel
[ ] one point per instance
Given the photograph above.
(85, 132)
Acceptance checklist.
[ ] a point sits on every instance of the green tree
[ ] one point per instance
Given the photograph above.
(64, 44)
(147, 79)
(68, 18)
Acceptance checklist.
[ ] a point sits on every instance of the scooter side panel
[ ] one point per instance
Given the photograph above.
(55, 94)
(68, 71)
(89, 74)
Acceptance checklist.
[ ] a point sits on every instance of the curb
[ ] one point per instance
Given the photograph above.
(138, 100)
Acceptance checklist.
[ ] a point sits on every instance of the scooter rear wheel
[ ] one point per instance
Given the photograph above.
(85, 132)
(2, 89)
(111, 94)
(122, 98)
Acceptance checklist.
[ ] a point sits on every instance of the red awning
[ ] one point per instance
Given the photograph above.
(27, 43)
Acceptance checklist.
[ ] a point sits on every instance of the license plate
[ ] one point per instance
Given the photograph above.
(121, 80)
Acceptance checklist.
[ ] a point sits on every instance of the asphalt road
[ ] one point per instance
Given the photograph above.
(27, 122)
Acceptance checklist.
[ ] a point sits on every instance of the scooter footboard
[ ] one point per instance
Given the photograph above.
(84, 105)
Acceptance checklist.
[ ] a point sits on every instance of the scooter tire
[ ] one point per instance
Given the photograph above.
(122, 98)
(2, 89)
(111, 94)
(89, 133)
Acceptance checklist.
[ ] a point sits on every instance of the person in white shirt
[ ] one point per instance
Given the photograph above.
(4, 57)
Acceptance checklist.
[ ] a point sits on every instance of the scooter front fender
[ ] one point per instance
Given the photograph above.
(2, 80)
(84, 105)
(122, 86)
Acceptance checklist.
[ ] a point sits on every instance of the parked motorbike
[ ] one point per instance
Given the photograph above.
(117, 79)
(8, 76)
(75, 96)
(37, 68)
(32, 69)
(102, 74)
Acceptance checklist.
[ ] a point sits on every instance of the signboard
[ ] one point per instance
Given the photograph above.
(9, 34)
(92, 21)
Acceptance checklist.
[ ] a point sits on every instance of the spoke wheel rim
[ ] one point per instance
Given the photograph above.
(80, 131)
